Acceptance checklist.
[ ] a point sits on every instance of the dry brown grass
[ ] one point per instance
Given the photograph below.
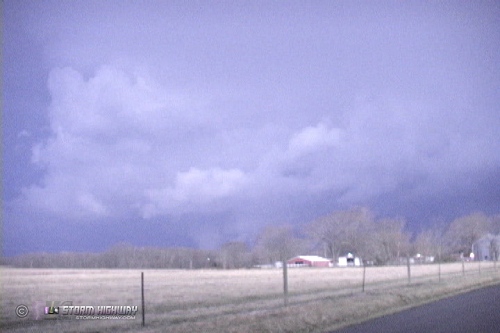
(233, 301)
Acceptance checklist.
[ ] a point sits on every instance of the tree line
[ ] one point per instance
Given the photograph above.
(380, 241)
(377, 241)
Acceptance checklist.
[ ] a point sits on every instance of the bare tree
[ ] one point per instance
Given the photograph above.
(494, 226)
(342, 231)
(234, 255)
(430, 242)
(495, 248)
(277, 243)
(391, 242)
(464, 231)
(327, 231)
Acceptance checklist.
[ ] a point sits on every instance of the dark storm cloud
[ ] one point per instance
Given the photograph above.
(220, 118)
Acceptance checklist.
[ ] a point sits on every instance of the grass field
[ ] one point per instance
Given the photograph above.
(231, 301)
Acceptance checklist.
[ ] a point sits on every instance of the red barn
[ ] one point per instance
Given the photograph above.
(308, 261)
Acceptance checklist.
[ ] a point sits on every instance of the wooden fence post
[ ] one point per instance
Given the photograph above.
(364, 277)
(439, 261)
(142, 297)
(439, 270)
(285, 282)
(408, 268)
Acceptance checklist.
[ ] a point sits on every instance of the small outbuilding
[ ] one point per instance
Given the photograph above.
(349, 260)
(309, 261)
(486, 248)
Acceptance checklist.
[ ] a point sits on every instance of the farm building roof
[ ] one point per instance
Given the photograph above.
(311, 258)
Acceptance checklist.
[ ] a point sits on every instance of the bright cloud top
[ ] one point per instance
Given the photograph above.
(122, 144)
(112, 144)
(313, 138)
(194, 189)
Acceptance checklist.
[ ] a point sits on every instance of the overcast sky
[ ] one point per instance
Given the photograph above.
(190, 123)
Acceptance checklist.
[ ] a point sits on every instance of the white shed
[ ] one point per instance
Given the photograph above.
(349, 260)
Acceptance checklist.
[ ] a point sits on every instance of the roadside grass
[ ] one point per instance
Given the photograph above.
(233, 300)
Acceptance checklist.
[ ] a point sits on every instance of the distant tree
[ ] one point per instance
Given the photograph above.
(180, 258)
(391, 242)
(494, 226)
(4, 261)
(464, 231)
(234, 255)
(277, 243)
(429, 242)
(326, 231)
(495, 248)
(494, 229)
(359, 228)
(342, 231)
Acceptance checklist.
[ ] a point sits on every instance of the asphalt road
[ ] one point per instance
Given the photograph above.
(474, 312)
